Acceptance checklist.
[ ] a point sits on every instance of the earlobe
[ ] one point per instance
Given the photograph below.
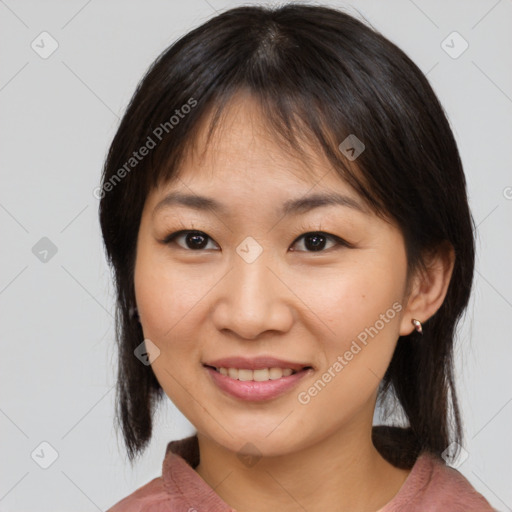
(429, 289)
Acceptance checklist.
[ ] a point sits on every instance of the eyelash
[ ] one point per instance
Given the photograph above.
(298, 235)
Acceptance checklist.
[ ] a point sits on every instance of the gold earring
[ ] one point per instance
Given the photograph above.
(417, 325)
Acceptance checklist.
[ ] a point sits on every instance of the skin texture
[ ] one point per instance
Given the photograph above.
(293, 303)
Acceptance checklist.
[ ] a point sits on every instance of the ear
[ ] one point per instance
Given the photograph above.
(428, 288)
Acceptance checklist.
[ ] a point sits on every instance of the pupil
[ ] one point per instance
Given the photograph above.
(318, 242)
(194, 237)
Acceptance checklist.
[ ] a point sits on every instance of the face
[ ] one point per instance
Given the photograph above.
(316, 288)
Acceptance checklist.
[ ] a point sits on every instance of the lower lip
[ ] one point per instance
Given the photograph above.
(256, 391)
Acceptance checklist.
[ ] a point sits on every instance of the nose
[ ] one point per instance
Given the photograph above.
(253, 299)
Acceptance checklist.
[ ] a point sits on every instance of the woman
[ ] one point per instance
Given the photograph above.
(285, 210)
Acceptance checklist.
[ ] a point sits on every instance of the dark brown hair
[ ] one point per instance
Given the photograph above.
(319, 75)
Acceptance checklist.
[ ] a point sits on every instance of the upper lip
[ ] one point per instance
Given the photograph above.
(256, 363)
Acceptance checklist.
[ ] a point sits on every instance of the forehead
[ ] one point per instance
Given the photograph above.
(245, 152)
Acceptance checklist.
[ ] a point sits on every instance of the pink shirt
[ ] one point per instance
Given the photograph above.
(430, 487)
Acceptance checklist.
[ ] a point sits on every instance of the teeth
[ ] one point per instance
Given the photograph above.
(260, 375)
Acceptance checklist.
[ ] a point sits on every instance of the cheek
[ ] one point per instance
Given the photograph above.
(361, 308)
(349, 303)
(363, 319)
(166, 297)
(167, 304)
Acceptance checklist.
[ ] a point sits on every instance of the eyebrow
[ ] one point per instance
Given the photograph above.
(290, 207)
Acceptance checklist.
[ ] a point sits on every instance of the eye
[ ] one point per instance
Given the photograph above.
(315, 241)
(193, 240)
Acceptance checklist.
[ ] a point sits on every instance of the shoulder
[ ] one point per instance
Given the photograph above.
(434, 486)
(164, 492)
(151, 497)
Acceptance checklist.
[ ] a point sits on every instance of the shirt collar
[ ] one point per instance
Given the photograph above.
(190, 493)
(187, 490)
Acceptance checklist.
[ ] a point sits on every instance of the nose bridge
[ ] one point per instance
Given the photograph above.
(252, 278)
(253, 299)
(252, 287)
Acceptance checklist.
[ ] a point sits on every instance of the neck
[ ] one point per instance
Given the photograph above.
(342, 472)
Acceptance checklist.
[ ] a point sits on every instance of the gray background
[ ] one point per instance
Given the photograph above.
(58, 116)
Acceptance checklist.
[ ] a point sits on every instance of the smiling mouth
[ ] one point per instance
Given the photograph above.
(259, 375)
